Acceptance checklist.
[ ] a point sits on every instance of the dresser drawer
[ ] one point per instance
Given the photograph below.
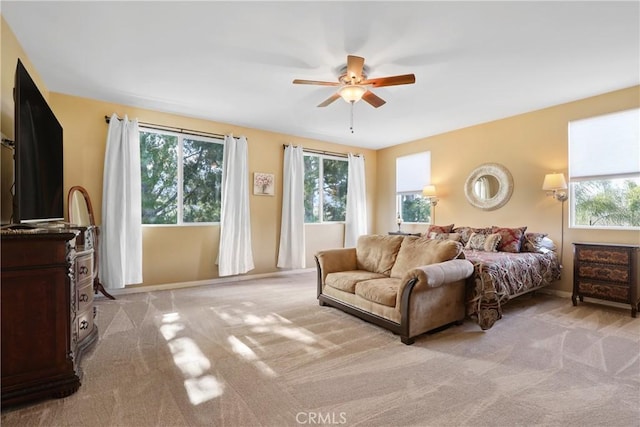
(85, 297)
(606, 291)
(610, 255)
(84, 324)
(84, 268)
(614, 273)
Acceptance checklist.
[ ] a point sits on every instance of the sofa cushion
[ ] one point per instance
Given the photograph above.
(347, 280)
(416, 251)
(377, 253)
(381, 291)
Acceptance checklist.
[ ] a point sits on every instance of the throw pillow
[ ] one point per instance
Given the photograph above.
(439, 229)
(512, 238)
(466, 232)
(533, 242)
(483, 242)
(445, 236)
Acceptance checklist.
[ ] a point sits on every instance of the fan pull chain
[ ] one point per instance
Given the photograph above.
(351, 123)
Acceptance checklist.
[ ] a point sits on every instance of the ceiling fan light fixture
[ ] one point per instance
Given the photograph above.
(352, 93)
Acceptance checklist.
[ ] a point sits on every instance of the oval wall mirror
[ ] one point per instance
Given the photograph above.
(79, 205)
(489, 186)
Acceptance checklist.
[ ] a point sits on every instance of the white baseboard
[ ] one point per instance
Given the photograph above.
(136, 289)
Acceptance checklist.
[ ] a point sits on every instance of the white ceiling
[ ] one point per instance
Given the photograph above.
(234, 62)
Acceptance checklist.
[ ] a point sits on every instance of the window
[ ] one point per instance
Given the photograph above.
(325, 188)
(604, 171)
(412, 174)
(181, 178)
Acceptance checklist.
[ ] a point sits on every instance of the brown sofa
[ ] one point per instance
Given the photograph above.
(409, 285)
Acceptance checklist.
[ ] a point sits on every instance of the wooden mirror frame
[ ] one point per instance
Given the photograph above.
(505, 180)
(97, 286)
(87, 201)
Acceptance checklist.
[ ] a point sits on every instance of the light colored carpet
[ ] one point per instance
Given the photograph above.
(264, 353)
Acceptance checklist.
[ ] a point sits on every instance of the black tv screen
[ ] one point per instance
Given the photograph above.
(38, 193)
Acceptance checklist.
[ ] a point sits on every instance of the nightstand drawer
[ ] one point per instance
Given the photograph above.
(614, 273)
(605, 291)
(609, 255)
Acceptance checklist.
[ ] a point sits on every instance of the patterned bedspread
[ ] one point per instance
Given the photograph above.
(499, 276)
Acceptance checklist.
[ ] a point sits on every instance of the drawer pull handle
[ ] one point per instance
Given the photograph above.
(83, 297)
(84, 269)
(84, 325)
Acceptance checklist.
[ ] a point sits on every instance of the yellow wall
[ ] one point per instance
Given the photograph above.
(530, 146)
(187, 253)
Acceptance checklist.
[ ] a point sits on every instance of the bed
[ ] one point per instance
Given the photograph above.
(500, 276)
(507, 261)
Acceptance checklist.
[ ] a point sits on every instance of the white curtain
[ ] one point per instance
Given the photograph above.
(291, 252)
(120, 251)
(356, 216)
(235, 255)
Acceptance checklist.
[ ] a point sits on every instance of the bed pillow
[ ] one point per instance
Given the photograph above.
(512, 238)
(466, 232)
(532, 242)
(439, 229)
(444, 236)
(483, 242)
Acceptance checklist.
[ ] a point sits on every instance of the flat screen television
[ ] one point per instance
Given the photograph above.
(38, 193)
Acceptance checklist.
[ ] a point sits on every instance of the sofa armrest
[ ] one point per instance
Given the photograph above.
(433, 276)
(438, 274)
(334, 260)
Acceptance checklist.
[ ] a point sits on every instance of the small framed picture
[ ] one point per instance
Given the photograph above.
(263, 184)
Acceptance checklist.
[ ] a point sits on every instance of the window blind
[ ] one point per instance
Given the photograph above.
(413, 172)
(605, 146)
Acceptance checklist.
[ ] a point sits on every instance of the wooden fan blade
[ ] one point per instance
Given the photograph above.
(373, 99)
(329, 100)
(354, 67)
(314, 82)
(404, 79)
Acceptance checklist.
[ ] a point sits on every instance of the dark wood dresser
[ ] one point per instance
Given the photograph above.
(47, 313)
(607, 272)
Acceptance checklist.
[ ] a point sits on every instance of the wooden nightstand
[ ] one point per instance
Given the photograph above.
(608, 272)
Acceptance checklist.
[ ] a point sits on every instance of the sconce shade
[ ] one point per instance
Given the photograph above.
(554, 181)
(352, 93)
(429, 191)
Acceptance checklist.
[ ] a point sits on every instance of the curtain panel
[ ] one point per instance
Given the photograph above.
(235, 254)
(291, 252)
(356, 215)
(120, 251)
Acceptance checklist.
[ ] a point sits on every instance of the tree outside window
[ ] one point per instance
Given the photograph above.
(325, 189)
(181, 178)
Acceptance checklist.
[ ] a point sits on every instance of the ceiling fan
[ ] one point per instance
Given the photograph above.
(353, 83)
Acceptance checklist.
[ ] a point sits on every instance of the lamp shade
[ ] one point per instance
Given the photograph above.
(352, 93)
(429, 191)
(554, 181)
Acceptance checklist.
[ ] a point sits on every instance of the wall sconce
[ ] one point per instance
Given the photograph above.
(555, 185)
(429, 192)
